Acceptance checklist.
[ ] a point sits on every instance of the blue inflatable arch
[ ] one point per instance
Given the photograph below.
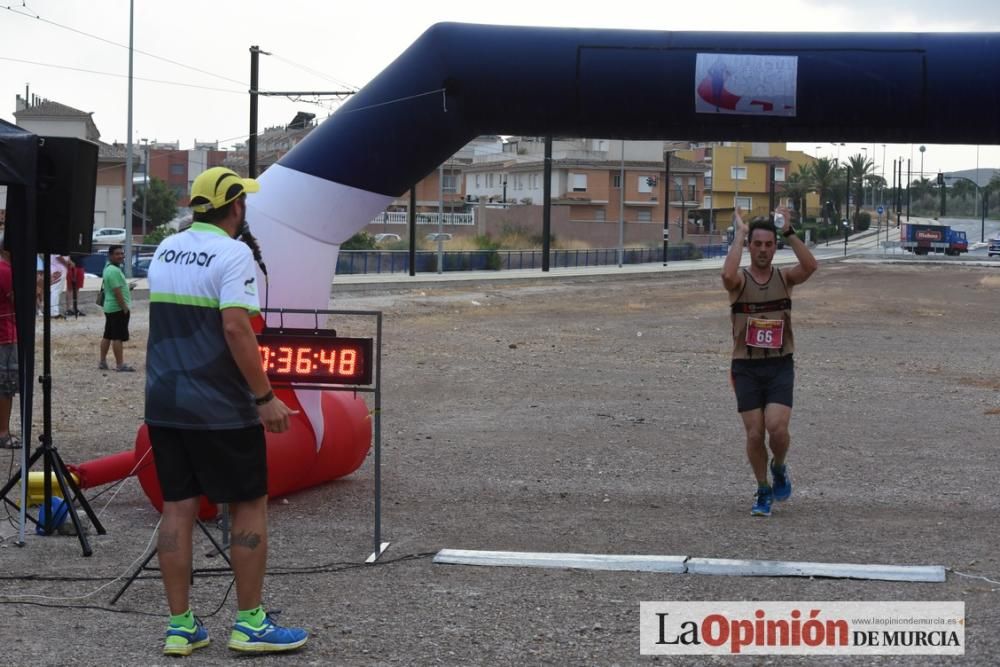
(885, 88)
(459, 81)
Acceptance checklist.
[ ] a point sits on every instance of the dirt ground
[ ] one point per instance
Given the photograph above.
(592, 415)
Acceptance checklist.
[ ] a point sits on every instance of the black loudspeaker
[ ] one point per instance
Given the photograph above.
(67, 185)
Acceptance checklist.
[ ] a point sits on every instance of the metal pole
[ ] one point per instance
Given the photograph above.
(128, 148)
(621, 209)
(145, 190)
(440, 237)
(252, 140)
(666, 206)
(546, 203)
(847, 201)
(412, 224)
(909, 178)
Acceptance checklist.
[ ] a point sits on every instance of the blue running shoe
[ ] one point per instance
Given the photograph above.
(268, 638)
(762, 502)
(782, 484)
(183, 641)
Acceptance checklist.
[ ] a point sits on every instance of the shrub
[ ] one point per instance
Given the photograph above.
(360, 241)
(158, 234)
(862, 221)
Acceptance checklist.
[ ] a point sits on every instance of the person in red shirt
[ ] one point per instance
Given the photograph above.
(8, 350)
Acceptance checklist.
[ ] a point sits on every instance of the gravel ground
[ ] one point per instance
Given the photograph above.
(593, 415)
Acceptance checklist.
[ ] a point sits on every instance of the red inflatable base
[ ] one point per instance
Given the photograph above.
(293, 462)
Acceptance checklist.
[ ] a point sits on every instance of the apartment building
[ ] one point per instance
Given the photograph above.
(745, 174)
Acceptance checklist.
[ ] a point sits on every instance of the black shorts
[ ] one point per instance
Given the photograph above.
(758, 382)
(116, 325)
(227, 466)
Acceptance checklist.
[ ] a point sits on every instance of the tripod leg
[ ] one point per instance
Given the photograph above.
(134, 576)
(78, 494)
(61, 474)
(211, 538)
(12, 482)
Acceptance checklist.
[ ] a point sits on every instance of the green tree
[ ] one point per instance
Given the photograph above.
(158, 234)
(921, 187)
(860, 167)
(797, 187)
(825, 178)
(161, 205)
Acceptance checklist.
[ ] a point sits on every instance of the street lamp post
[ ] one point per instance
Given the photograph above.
(145, 185)
(865, 149)
(666, 203)
(922, 149)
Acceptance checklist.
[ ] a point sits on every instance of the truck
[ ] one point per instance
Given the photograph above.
(922, 238)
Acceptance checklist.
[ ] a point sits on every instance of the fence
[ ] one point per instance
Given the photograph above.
(397, 261)
(429, 218)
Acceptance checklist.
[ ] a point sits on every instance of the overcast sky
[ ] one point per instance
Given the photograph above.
(192, 62)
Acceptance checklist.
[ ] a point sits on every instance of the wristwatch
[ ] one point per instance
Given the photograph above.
(266, 398)
(790, 232)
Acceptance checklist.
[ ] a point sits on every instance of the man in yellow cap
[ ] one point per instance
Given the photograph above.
(208, 402)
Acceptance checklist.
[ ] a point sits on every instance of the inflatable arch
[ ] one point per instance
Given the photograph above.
(459, 81)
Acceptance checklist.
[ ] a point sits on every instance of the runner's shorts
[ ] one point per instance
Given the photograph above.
(116, 325)
(758, 382)
(8, 369)
(228, 466)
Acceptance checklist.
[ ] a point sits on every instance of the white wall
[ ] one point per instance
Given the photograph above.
(56, 128)
(108, 206)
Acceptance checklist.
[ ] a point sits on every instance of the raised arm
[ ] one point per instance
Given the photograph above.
(807, 265)
(732, 277)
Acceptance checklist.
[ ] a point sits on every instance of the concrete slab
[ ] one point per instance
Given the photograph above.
(667, 564)
(770, 568)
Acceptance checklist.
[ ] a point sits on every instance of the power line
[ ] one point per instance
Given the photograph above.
(304, 68)
(121, 76)
(315, 72)
(124, 46)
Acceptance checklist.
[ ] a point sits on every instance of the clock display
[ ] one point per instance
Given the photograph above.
(294, 356)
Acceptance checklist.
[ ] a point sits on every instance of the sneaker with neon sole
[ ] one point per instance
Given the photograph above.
(183, 641)
(268, 638)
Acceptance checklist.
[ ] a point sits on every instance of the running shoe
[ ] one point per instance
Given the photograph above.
(268, 638)
(782, 484)
(762, 502)
(183, 641)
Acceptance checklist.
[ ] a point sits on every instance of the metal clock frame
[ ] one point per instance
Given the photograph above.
(375, 388)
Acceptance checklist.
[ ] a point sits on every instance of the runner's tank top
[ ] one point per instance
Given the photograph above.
(762, 319)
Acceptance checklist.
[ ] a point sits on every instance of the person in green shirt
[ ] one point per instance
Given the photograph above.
(117, 309)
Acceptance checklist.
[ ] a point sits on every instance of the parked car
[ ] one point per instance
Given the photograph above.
(379, 238)
(994, 247)
(109, 235)
(438, 236)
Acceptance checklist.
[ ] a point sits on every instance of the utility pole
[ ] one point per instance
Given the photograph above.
(666, 205)
(909, 179)
(255, 92)
(546, 203)
(252, 140)
(145, 188)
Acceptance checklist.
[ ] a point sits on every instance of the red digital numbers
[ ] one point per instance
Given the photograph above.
(303, 364)
(301, 358)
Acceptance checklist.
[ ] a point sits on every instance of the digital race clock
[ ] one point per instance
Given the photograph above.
(318, 357)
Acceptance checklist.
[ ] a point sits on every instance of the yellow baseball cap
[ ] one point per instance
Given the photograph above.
(216, 187)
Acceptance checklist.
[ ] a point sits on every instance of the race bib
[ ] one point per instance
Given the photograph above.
(769, 334)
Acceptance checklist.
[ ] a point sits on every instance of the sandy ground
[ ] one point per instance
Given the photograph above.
(589, 416)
